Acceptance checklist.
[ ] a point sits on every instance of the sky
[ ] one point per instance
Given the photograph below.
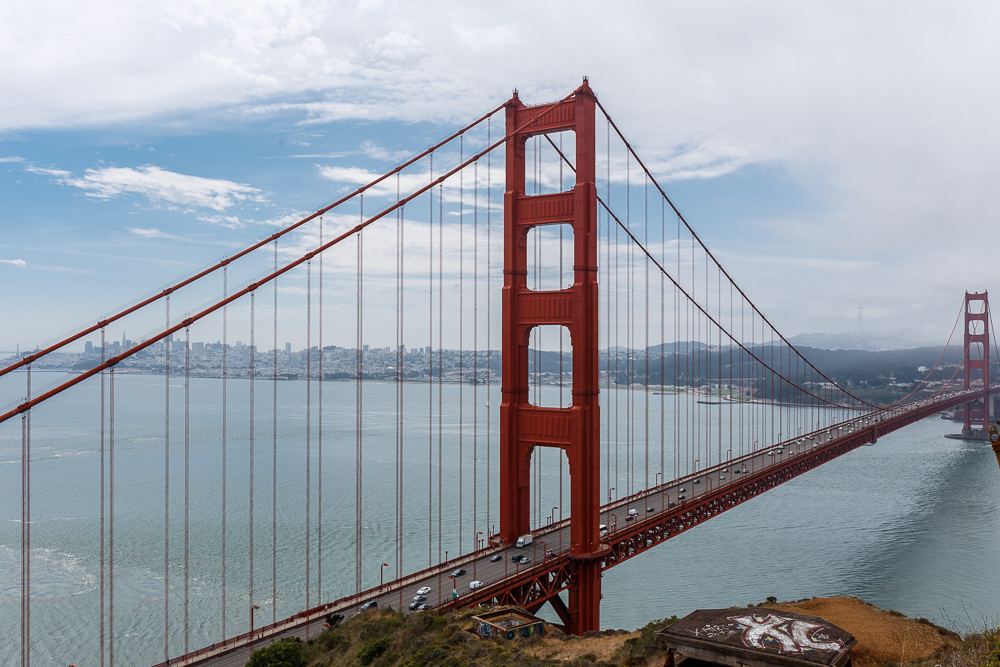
(831, 155)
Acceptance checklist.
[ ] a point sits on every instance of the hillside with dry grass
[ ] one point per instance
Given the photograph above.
(383, 638)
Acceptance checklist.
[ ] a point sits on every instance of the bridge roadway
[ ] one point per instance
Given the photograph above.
(656, 515)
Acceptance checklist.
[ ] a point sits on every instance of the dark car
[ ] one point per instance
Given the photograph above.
(497, 558)
(419, 598)
(681, 497)
(415, 605)
(423, 607)
(697, 481)
(516, 558)
(650, 509)
(458, 573)
(371, 604)
(673, 504)
(630, 517)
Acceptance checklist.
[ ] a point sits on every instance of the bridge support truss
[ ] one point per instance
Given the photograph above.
(523, 426)
(977, 363)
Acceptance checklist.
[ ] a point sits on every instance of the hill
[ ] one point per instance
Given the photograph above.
(383, 638)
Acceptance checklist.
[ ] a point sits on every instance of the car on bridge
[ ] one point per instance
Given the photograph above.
(457, 573)
(497, 558)
(517, 557)
(419, 598)
(473, 585)
(416, 605)
(371, 604)
(424, 590)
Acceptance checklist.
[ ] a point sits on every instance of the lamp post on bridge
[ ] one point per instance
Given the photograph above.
(381, 571)
(655, 483)
(609, 493)
(554, 508)
(251, 619)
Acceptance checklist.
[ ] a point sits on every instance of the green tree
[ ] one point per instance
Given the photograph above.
(285, 652)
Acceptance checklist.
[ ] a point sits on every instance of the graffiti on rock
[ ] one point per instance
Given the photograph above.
(788, 635)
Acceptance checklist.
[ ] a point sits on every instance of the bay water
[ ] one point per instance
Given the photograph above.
(911, 524)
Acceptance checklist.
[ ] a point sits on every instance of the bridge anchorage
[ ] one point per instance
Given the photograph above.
(742, 409)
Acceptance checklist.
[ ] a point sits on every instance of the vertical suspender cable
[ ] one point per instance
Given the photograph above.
(440, 350)
(677, 338)
(253, 369)
(718, 354)
(400, 358)
(358, 406)
(225, 378)
(111, 516)
(187, 480)
(645, 352)
(475, 352)
(102, 583)
(629, 340)
(274, 452)
(607, 317)
(615, 290)
(319, 432)
(663, 323)
(166, 488)
(430, 369)
(309, 356)
(489, 318)
(461, 322)
(26, 530)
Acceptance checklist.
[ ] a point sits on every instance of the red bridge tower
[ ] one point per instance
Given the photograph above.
(523, 426)
(977, 413)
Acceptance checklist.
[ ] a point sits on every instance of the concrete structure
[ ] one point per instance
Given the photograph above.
(755, 637)
(508, 623)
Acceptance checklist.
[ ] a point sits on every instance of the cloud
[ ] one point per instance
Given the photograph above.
(45, 171)
(154, 233)
(162, 186)
(11, 158)
(376, 152)
(20, 263)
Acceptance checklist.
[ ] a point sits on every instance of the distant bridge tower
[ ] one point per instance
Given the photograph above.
(977, 358)
(576, 429)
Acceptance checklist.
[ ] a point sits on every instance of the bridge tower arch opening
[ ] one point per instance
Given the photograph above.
(523, 426)
(976, 361)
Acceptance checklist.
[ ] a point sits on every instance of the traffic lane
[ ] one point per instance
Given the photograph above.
(558, 538)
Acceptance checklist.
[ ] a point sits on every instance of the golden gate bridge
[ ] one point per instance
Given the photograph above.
(642, 393)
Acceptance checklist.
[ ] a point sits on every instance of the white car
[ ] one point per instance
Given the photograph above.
(424, 591)
(475, 584)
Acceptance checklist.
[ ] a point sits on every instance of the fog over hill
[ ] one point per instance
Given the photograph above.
(869, 341)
